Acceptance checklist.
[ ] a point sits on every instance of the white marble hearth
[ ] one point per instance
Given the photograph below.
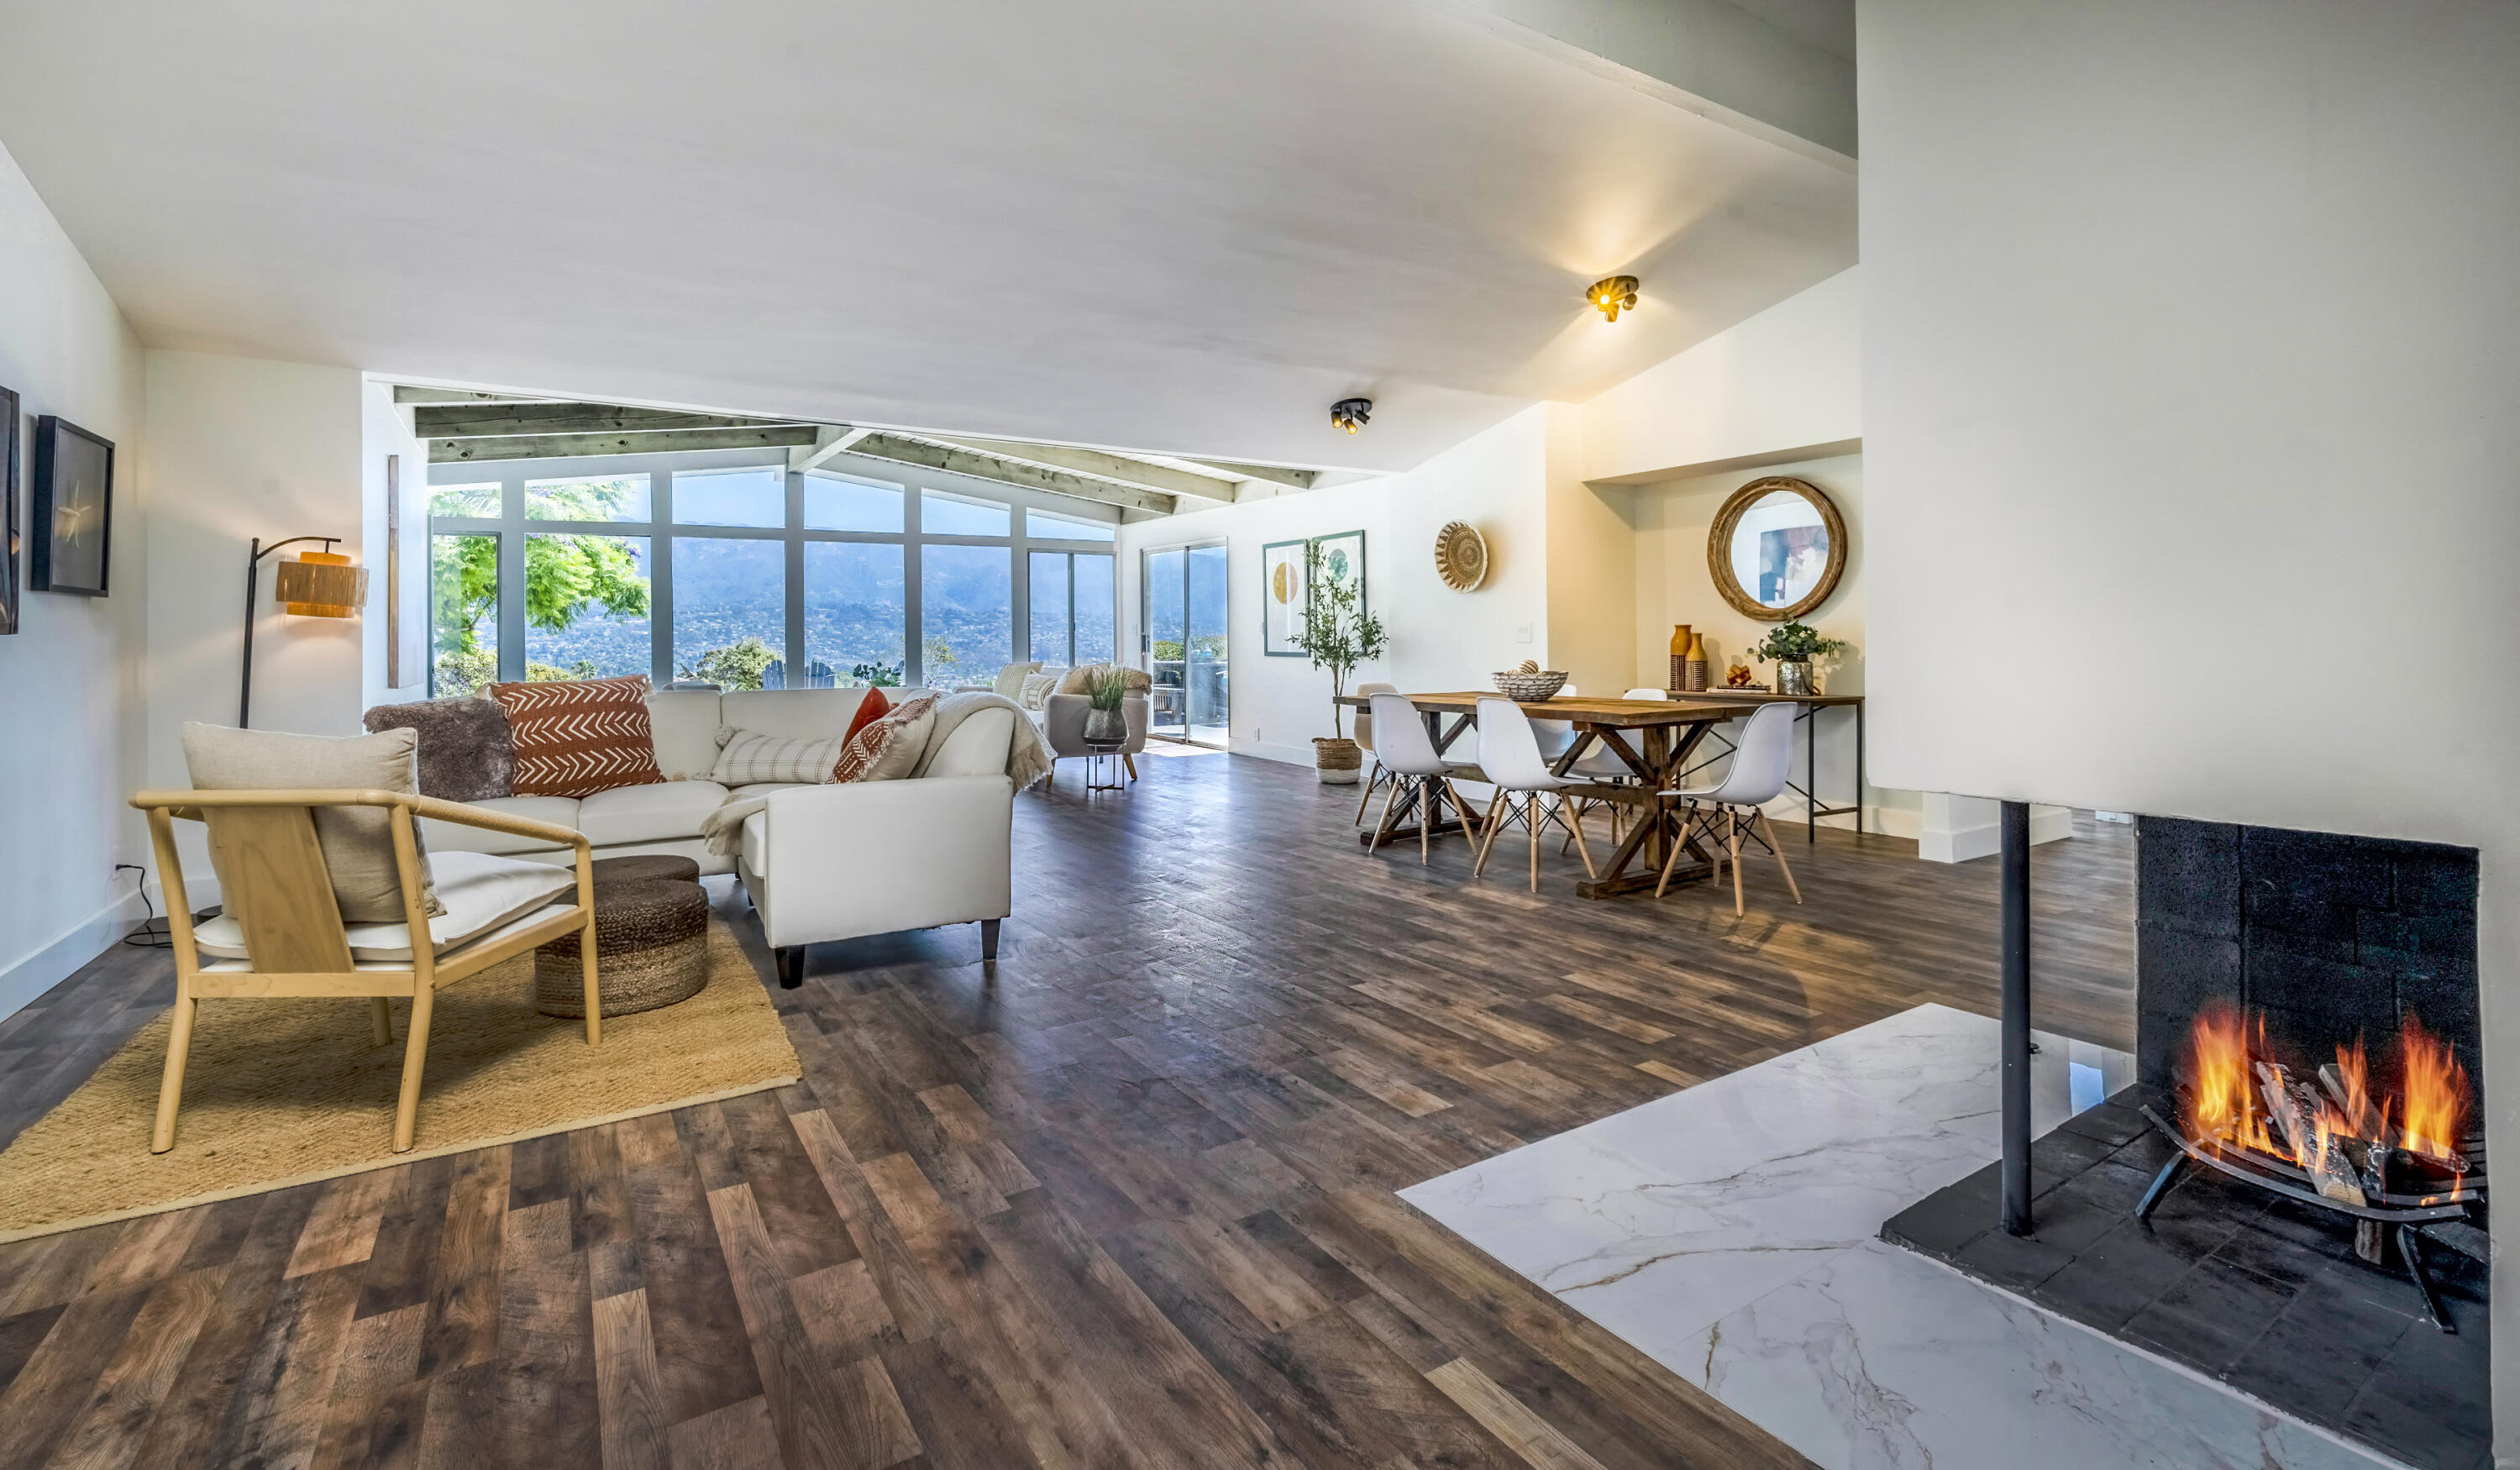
(1729, 1231)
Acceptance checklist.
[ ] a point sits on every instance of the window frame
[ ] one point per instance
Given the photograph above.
(512, 525)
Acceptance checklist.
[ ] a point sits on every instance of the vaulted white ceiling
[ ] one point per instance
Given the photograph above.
(1181, 227)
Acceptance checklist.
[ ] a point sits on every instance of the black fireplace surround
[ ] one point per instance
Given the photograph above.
(2328, 936)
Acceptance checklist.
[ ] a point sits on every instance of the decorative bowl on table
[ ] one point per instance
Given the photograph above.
(1529, 686)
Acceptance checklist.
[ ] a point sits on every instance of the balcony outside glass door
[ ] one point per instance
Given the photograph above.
(1184, 643)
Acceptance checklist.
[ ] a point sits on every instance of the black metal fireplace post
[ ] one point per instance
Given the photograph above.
(2015, 831)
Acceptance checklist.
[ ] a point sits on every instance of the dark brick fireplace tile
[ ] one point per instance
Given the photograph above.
(2276, 921)
(2015, 1263)
(2211, 1316)
(2116, 1276)
(2318, 1353)
(2430, 1400)
(2065, 1153)
(2180, 971)
(2112, 1121)
(1944, 1221)
(2079, 1212)
(2317, 868)
(2436, 878)
(2188, 875)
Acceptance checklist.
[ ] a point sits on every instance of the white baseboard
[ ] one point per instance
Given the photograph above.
(1291, 755)
(1985, 839)
(58, 961)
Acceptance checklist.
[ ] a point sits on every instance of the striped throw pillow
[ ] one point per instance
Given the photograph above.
(748, 757)
(581, 736)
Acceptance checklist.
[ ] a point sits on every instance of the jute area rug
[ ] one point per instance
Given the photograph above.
(282, 1092)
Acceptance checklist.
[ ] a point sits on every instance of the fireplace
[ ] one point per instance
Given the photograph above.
(2291, 1199)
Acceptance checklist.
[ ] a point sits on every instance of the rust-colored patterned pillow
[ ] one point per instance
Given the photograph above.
(578, 738)
(889, 748)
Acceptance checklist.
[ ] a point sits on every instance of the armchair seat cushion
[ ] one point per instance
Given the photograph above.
(482, 892)
(649, 813)
(454, 837)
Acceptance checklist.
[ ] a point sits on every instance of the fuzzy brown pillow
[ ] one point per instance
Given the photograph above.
(465, 752)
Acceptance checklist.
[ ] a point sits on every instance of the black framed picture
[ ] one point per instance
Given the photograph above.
(73, 523)
(9, 536)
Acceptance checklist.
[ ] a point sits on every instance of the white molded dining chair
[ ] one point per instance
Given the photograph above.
(1761, 762)
(1415, 765)
(1511, 760)
(1365, 737)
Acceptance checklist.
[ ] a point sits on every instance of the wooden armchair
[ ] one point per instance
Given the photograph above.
(293, 929)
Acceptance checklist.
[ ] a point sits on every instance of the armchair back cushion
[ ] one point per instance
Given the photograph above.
(466, 753)
(357, 841)
(580, 736)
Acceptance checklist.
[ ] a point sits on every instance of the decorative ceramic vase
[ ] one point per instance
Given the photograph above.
(1107, 726)
(1795, 678)
(1695, 669)
(1337, 762)
(1680, 641)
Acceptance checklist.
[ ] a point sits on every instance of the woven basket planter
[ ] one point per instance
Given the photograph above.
(1337, 762)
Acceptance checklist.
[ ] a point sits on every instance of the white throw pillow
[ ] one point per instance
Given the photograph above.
(1036, 689)
(480, 891)
(1012, 677)
(745, 758)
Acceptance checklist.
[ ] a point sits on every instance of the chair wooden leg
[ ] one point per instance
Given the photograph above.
(1129, 762)
(1382, 827)
(171, 1086)
(415, 1060)
(1373, 778)
(380, 1021)
(1425, 819)
(594, 991)
(1582, 850)
(1732, 841)
(1497, 806)
(1678, 845)
(1768, 829)
(1531, 825)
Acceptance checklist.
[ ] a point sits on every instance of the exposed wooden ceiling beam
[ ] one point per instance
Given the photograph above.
(1102, 466)
(481, 420)
(403, 394)
(575, 446)
(958, 460)
(829, 439)
(1301, 480)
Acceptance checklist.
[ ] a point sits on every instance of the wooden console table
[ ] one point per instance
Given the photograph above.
(1808, 718)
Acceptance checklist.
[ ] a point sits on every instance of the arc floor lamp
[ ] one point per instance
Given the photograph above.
(317, 584)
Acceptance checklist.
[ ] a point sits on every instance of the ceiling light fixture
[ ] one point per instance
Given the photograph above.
(1612, 295)
(1351, 414)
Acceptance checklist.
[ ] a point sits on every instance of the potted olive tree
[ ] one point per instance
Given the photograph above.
(1338, 635)
(1793, 646)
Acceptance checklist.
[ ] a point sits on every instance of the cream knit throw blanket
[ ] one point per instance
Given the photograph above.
(1027, 761)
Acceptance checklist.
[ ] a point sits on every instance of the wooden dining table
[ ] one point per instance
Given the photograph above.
(1653, 737)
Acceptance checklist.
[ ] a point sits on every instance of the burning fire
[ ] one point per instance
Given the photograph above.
(2436, 1093)
(2232, 1090)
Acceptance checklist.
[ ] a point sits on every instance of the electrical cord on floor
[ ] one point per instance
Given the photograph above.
(149, 935)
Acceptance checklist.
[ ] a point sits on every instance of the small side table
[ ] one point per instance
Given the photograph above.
(1104, 758)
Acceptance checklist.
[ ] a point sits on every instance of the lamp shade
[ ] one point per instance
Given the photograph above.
(322, 584)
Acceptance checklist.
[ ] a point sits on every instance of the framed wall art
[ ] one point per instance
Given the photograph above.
(1281, 599)
(71, 524)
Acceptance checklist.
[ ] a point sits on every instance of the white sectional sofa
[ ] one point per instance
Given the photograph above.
(819, 862)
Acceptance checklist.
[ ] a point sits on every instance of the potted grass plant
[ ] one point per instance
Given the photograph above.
(1338, 635)
(1103, 718)
(1793, 646)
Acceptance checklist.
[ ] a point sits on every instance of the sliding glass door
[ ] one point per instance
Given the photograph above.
(1184, 642)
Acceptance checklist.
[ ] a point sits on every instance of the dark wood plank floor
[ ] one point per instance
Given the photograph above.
(1127, 1201)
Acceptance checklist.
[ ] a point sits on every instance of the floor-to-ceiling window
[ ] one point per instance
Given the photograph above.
(729, 569)
(1184, 642)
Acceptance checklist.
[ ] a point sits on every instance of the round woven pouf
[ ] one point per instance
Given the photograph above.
(651, 946)
(647, 866)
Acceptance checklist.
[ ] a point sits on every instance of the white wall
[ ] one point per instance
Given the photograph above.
(1786, 385)
(70, 678)
(240, 447)
(2189, 373)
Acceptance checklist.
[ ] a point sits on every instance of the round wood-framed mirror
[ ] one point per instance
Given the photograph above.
(1778, 549)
